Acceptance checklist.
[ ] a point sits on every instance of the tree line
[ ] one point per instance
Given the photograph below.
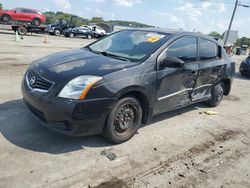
(51, 17)
(240, 41)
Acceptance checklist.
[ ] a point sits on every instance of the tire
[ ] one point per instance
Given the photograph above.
(57, 32)
(36, 21)
(123, 120)
(217, 93)
(71, 35)
(22, 30)
(89, 36)
(6, 18)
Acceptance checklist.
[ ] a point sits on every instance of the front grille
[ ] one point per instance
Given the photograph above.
(35, 81)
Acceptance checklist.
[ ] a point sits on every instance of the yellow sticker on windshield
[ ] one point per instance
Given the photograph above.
(153, 39)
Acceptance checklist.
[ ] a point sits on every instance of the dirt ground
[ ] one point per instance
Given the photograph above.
(183, 148)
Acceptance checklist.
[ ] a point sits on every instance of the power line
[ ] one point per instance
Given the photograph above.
(240, 3)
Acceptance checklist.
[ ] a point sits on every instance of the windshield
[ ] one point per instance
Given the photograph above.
(57, 22)
(129, 44)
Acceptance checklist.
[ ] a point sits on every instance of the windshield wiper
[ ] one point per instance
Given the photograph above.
(107, 54)
(114, 56)
(91, 50)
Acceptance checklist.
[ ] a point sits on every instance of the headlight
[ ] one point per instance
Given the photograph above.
(78, 87)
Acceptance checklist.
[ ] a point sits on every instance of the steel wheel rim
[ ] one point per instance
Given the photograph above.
(126, 118)
(57, 33)
(5, 18)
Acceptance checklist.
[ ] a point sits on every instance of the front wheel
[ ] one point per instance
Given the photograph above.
(124, 120)
(57, 32)
(217, 93)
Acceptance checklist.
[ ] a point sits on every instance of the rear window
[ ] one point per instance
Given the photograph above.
(28, 11)
(208, 50)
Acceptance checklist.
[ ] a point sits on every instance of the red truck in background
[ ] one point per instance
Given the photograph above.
(22, 14)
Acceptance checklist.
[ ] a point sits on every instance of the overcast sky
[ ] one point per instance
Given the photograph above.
(204, 16)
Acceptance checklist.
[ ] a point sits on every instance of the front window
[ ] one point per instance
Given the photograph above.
(129, 44)
(184, 49)
(18, 10)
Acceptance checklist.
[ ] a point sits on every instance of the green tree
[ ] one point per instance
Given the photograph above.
(1, 6)
(97, 20)
(215, 34)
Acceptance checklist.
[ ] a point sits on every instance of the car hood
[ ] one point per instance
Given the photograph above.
(67, 65)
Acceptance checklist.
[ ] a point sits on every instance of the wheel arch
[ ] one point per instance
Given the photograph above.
(142, 97)
(6, 14)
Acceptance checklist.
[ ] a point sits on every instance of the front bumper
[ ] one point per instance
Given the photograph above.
(245, 69)
(70, 117)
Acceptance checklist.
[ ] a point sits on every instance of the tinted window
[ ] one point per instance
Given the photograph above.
(18, 10)
(64, 22)
(28, 11)
(208, 50)
(184, 49)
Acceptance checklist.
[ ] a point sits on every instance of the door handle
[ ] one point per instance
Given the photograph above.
(193, 72)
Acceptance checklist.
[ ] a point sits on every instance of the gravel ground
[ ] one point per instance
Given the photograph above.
(183, 148)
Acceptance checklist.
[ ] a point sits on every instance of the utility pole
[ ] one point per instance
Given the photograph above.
(230, 25)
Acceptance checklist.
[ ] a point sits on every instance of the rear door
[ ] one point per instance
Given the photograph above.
(174, 85)
(28, 14)
(211, 67)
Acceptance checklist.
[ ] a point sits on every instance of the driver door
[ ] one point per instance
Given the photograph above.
(174, 85)
(18, 14)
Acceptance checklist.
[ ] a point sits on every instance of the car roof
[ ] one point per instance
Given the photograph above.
(28, 8)
(174, 32)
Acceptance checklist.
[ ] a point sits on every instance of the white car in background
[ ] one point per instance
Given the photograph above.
(97, 30)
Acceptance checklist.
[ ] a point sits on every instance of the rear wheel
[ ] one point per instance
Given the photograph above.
(71, 35)
(6, 18)
(36, 22)
(89, 36)
(217, 93)
(124, 120)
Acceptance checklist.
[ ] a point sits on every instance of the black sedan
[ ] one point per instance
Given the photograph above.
(79, 32)
(121, 81)
(245, 67)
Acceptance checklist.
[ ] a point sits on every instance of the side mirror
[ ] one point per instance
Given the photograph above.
(172, 62)
(14, 11)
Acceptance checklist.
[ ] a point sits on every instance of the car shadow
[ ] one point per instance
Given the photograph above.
(238, 76)
(29, 34)
(20, 128)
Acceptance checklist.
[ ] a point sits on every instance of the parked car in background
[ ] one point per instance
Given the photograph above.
(79, 32)
(245, 67)
(23, 14)
(60, 26)
(117, 83)
(97, 31)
